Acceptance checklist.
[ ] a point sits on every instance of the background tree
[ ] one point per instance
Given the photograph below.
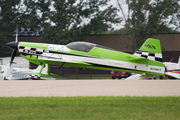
(9, 13)
(147, 18)
(36, 14)
(73, 20)
(62, 21)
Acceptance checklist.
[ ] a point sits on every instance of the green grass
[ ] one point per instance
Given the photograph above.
(90, 108)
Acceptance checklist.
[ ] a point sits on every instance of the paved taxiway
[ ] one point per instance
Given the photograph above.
(18, 88)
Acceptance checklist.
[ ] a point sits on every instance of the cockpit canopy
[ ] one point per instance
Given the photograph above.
(81, 46)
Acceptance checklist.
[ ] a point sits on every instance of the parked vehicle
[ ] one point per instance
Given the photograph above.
(119, 74)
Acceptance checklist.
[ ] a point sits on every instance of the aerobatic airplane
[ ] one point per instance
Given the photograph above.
(147, 60)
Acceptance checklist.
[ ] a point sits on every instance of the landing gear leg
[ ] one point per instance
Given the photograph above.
(43, 65)
(48, 69)
(62, 65)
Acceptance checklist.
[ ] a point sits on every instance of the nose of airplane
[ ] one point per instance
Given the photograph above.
(12, 45)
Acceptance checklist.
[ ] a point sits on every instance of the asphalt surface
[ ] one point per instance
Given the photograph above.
(64, 88)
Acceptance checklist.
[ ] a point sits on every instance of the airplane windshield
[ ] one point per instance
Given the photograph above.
(81, 46)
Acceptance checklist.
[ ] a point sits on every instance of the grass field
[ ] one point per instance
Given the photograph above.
(90, 108)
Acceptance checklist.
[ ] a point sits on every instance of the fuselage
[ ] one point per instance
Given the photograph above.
(88, 55)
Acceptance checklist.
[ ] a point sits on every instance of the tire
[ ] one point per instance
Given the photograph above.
(113, 77)
(126, 75)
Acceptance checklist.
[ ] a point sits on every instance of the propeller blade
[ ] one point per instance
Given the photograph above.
(13, 56)
(14, 46)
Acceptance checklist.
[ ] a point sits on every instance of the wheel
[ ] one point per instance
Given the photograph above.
(128, 74)
(113, 77)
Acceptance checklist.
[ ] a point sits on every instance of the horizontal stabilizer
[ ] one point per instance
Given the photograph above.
(134, 58)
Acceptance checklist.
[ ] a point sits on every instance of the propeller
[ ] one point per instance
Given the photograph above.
(13, 56)
(9, 66)
(14, 46)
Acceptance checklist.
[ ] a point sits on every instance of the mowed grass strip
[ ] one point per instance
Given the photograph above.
(93, 108)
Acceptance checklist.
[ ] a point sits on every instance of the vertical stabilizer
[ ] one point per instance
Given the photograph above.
(151, 49)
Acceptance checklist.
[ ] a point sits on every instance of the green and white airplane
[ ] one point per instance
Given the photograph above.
(147, 60)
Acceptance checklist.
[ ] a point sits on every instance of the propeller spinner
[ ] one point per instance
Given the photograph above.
(12, 45)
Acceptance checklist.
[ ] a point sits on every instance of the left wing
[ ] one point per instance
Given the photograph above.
(173, 74)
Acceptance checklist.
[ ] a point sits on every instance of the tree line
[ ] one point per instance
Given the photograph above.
(64, 21)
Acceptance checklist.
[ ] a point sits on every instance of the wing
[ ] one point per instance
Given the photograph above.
(174, 75)
(173, 70)
(64, 60)
(80, 62)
